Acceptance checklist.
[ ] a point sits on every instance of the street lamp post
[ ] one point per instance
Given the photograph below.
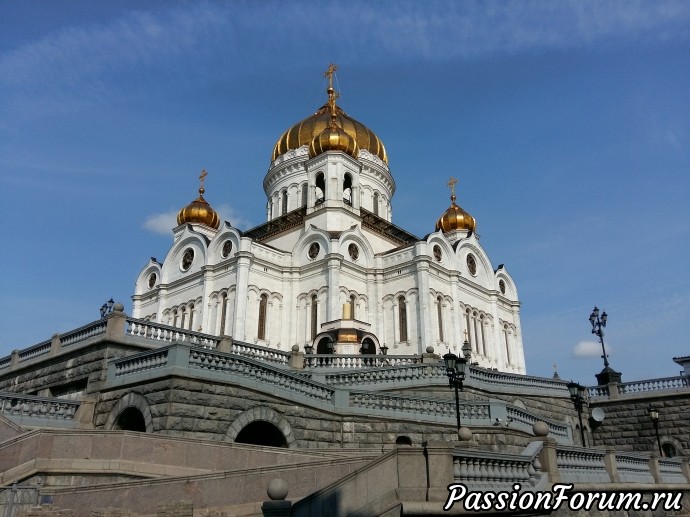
(608, 374)
(455, 370)
(107, 308)
(577, 395)
(654, 415)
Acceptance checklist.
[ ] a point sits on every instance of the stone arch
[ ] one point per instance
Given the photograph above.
(130, 401)
(260, 414)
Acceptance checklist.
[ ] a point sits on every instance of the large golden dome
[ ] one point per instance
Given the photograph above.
(305, 131)
(199, 211)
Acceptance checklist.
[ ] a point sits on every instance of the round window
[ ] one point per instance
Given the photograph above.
(187, 259)
(314, 250)
(353, 250)
(471, 264)
(227, 248)
(152, 280)
(438, 254)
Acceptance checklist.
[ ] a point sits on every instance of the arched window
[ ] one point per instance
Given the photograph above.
(439, 306)
(482, 321)
(263, 303)
(505, 335)
(467, 326)
(320, 188)
(352, 306)
(402, 316)
(223, 313)
(347, 189)
(314, 314)
(305, 192)
(191, 317)
(669, 450)
(376, 203)
(174, 322)
(284, 199)
(184, 317)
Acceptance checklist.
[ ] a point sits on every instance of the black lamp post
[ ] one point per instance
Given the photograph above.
(455, 370)
(107, 308)
(608, 374)
(384, 349)
(577, 395)
(654, 415)
(308, 348)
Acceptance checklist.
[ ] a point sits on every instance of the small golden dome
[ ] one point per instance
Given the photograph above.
(455, 218)
(311, 127)
(199, 211)
(333, 138)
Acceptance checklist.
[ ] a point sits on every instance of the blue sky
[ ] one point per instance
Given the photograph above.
(567, 124)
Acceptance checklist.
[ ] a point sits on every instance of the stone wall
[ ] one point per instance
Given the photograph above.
(211, 411)
(627, 425)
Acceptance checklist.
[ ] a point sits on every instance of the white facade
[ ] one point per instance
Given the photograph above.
(275, 285)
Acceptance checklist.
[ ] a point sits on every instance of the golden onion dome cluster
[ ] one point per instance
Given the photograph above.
(455, 218)
(305, 131)
(199, 211)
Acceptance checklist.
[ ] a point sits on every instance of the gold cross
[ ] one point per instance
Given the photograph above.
(202, 177)
(466, 335)
(329, 73)
(555, 369)
(451, 183)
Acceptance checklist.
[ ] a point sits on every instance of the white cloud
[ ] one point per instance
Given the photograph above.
(589, 349)
(163, 223)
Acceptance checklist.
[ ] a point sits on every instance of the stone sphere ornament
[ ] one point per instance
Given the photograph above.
(540, 428)
(464, 434)
(277, 489)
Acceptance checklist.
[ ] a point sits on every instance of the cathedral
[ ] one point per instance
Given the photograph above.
(329, 272)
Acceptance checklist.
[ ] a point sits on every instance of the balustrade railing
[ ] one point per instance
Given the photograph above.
(15, 405)
(72, 337)
(165, 333)
(5, 362)
(671, 471)
(581, 465)
(597, 391)
(633, 468)
(347, 361)
(526, 418)
(35, 351)
(141, 362)
(265, 373)
(389, 375)
(668, 383)
(495, 471)
(469, 411)
(494, 379)
(261, 353)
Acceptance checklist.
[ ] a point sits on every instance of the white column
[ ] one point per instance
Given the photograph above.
(240, 313)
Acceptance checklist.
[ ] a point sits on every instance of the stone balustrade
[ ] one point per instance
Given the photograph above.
(261, 353)
(396, 375)
(469, 411)
(358, 361)
(597, 391)
(671, 470)
(633, 468)
(26, 407)
(493, 380)
(668, 383)
(35, 351)
(164, 333)
(254, 370)
(495, 471)
(527, 419)
(582, 465)
(140, 362)
(73, 337)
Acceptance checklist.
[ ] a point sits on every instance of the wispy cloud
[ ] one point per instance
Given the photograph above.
(589, 349)
(406, 30)
(163, 223)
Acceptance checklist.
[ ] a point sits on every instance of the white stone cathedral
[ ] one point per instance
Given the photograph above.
(329, 269)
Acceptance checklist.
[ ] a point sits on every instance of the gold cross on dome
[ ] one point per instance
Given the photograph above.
(451, 184)
(202, 177)
(329, 73)
(466, 335)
